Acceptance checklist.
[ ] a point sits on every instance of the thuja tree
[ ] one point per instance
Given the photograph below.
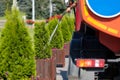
(16, 52)
(41, 37)
(65, 29)
(70, 22)
(57, 40)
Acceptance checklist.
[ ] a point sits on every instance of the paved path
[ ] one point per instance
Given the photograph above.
(62, 71)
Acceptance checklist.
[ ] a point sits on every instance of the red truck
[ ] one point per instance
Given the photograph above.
(95, 45)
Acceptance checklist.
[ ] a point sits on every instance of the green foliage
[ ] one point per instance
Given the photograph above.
(42, 9)
(65, 29)
(16, 53)
(41, 37)
(26, 7)
(58, 6)
(4, 4)
(2, 8)
(57, 40)
(70, 22)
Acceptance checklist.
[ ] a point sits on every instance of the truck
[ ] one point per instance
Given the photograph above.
(95, 44)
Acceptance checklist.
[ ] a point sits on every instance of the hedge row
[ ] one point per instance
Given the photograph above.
(16, 52)
(43, 32)
(41, 37)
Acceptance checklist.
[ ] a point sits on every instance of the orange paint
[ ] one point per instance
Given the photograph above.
(110, 26)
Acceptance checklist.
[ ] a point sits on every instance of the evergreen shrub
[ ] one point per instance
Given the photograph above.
(71, 24)
(65, 29)
(57, 40)
(16, 53)
(41, 37)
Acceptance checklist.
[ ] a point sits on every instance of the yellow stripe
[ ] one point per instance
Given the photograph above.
(113, 30)
(96, 23)
(86, 11)
(90, 19)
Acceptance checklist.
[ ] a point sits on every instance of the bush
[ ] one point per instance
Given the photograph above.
(16, 53)
(70, 22)
(57, 40)
(65, 29)
(41, 37)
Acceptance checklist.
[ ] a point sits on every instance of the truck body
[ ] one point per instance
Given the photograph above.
(95, 45)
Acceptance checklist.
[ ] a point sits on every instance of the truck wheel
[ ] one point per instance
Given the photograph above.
(73, 71)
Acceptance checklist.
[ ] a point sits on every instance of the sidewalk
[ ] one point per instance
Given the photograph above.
(61, 72)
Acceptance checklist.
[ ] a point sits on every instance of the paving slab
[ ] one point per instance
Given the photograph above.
(61, 72)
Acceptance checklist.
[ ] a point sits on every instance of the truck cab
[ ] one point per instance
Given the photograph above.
(95, 45)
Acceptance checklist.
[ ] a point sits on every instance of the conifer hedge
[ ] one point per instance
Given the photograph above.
(65, 27)
(16, 53)
(57, 40)
(70, 22)
(41, 37)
